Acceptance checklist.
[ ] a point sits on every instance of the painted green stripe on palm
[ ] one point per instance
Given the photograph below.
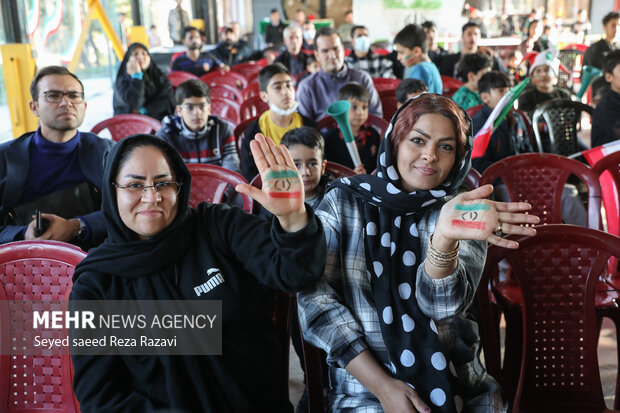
(472, 207)
(281, 174)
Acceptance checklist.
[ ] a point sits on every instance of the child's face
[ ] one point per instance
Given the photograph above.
(280, 91)
(311, 166)
(405, 55)
(409, 96)
(543, 77)
(313, 67)
(613, 79)
(476, 77)
(492, 98)
(358, 113)
(195, 112)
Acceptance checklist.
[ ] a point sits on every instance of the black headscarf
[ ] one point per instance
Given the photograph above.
(123, 252)
(150, 74)
(393, 254)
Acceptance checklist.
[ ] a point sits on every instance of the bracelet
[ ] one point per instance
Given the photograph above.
(438, 258)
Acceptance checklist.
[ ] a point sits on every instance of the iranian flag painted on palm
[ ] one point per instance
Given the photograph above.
(482, 138)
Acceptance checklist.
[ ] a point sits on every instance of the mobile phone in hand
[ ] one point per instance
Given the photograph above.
(41, 224)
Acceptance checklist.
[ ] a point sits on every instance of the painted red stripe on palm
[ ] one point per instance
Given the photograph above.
(285, 194)
(468, 224)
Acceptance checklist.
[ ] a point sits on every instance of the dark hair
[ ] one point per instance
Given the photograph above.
(310, 59)
(432, 103)
(468, 25)
(274, 10)
(348, 12)
(325, 31)
(610, 16)
(357, 27)
(46, 71)
(304, 135)
(493, 80)
(354, 90)
(611, 61)
(408, 86)
(429, 24)
(412, 36)
(228, 29)
(473, 62)
(192, 88)
(188, 29)
(269, 71)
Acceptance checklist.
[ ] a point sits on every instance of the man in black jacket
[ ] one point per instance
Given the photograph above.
(293, 58)
(56, 169)
(273, 31)
(595, 54)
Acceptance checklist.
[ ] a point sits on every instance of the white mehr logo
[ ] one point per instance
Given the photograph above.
(215, 279)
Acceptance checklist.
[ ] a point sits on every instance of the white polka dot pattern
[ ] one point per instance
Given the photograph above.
(407, 358)
(438, 397)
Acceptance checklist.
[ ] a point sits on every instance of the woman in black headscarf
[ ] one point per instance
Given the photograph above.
(141, 87)
(404, 259)
(160, 249)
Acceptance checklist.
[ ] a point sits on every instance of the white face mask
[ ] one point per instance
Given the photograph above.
(362, 43)
(309, 34)
(281, 112)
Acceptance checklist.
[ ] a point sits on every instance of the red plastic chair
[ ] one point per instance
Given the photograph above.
(336, 170)
(380, 124)
(241, 127)
(35, 271)
(450, 85)
(473, 110)
(388, 103)
(120, 126)
(558, 271)
(247, 70)
(385, 83)
(230, 78)
(225, 109)
(251, 91)
(209, 183)
(177, 77)
(222, 90)
(252, 107)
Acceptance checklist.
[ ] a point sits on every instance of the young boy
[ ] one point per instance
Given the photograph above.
(276, 89)
(198, 136)
(605, 120)
(367, 139)
(411, 47)
(407, 89)
(544, 74)
(470, 69)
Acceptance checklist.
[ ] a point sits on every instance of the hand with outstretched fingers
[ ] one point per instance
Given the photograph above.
(282, 193)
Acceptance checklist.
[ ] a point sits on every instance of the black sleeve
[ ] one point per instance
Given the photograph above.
(248, 166)
(131, 92)
(527, 102)
(285, 261)
(162, 103)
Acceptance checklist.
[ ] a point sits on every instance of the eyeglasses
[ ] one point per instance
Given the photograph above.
(190, 107)
(163, 188)
(56, 96)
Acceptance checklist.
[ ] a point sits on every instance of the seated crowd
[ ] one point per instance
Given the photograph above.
(394, 216)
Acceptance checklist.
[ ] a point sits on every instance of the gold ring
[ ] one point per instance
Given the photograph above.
(499, 229)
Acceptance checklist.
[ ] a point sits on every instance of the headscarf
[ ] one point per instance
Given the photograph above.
(393, 254)
(123, 253)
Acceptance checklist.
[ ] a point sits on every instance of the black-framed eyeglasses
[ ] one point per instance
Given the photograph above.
(56, 96)
(164, 188)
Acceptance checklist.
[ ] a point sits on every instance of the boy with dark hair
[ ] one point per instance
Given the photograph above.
(605, 120)
(276, 89)
(194, 60)
(367, 139)
(198, 136)
(471, 68)
(595, 54)
(411, 46)
(407, 89)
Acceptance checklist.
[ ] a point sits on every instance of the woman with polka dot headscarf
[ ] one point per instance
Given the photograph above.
(404, 259)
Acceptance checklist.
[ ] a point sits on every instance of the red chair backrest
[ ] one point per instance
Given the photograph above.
(473, 110)
(225, 109)
(222, 90)
(608, 171)
(241, 127)
(450, 85)
(230, 78)
(558, 271)
(35, 271)
(252, 108)
(247, 70)
(127, 124)
(380, 124)
(177, 77)
(252, 90)
(388, 103)
(381, 51)
(209, 183)
(539, 178)
(336, 170)
(383, 83)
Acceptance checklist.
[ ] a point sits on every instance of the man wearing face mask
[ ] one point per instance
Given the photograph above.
(309, 32)
(193, 60)
(293, 58)
(362, 58)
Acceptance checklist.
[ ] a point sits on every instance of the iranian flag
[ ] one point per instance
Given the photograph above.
(482, 138)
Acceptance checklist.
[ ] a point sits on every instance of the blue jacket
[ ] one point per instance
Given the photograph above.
(14, 167)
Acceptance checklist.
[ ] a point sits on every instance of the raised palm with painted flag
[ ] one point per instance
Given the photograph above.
(483, 137)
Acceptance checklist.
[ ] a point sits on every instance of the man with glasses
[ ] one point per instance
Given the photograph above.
(56, 170)
(198, 136)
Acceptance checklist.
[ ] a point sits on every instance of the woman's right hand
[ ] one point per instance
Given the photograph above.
(398, 397)
(132, 66)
